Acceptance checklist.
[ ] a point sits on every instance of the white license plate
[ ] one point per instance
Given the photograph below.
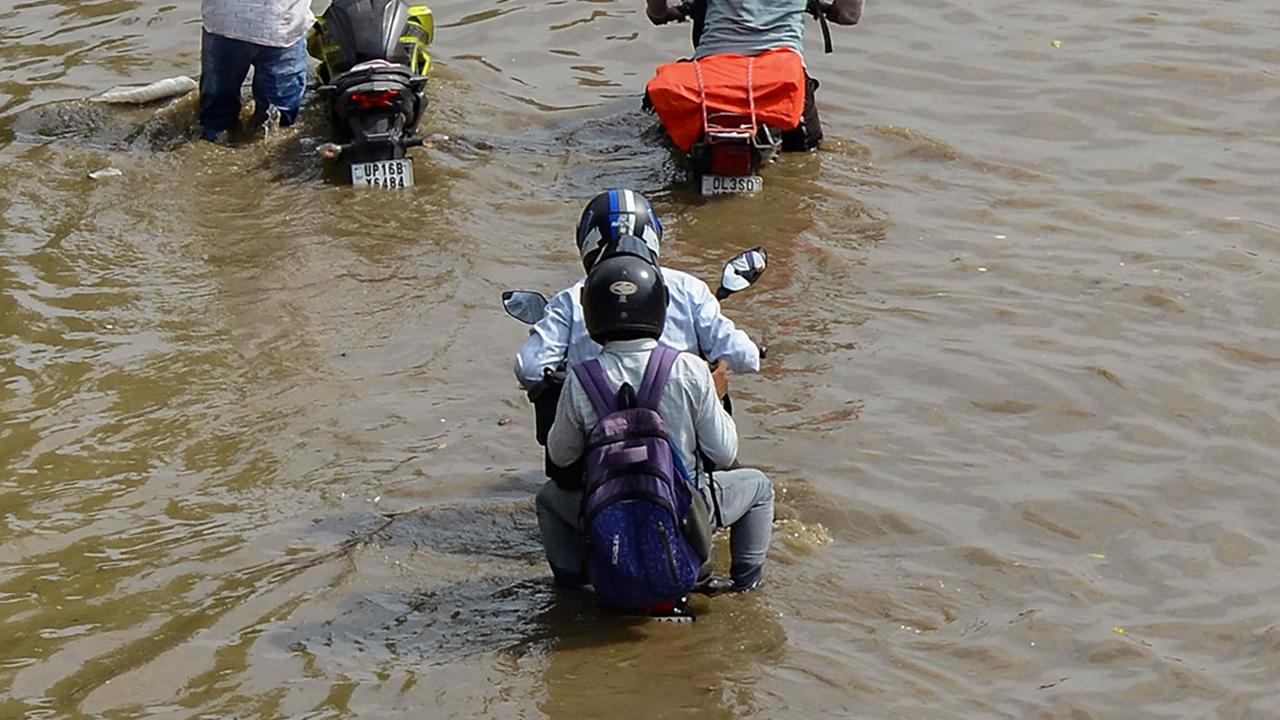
(722, 184)
(383, 173)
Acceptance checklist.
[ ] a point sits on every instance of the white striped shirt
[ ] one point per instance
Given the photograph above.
(274, 23)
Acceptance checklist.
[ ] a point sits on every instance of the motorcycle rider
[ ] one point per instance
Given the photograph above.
(623, 221)
(628, 327)
(267, 35)
(751, 27)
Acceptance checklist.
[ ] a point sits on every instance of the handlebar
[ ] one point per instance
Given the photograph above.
(818, 9)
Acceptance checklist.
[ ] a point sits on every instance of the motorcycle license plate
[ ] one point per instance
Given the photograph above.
(726, 184)
(383, 173)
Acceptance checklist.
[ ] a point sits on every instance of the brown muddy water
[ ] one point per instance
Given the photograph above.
(262, 456)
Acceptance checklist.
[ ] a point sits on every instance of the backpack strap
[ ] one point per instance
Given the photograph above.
(656, 373)
(591, 376)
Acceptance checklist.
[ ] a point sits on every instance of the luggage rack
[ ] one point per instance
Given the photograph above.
(734, 149)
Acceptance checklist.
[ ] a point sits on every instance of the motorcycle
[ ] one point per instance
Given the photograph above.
(373, 73)
(529, 306)
(726, 128)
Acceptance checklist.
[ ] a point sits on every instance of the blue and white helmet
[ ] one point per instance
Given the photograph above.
(618, 222)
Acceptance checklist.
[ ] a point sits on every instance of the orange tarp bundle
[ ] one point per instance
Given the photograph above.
(777, 80)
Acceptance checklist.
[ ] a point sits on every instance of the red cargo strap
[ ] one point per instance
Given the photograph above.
(751, 96)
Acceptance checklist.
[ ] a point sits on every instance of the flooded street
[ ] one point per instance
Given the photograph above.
(262, 454)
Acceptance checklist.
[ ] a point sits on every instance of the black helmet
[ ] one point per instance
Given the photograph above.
(618, 221)
(624, 298)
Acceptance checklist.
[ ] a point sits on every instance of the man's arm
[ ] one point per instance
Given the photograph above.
(661, 12)
(567, 438)
(845, 12)
(716, 432)
(718, 337)
(548, 343)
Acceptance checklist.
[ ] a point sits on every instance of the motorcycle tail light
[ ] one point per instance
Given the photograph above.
(731, 159)
(375, 99)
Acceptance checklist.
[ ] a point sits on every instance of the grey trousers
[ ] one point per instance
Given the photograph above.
(745, 499)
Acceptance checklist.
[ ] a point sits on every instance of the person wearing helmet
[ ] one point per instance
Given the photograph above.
(751, 27)
(628, 326)
(623, 221)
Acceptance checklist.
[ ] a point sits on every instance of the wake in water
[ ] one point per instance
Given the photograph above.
(106, 126)
(471, 579)
(159, 117)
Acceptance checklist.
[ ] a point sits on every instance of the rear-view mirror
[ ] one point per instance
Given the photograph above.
(526, 306)
(742, 271)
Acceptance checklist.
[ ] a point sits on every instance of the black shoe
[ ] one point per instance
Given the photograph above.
(714, 585)
(571, 580)
(749, 580)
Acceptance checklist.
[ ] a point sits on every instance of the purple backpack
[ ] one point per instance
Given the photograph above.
(635, 501)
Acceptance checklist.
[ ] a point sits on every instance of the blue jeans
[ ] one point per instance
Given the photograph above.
(745, 497)
(279, 80)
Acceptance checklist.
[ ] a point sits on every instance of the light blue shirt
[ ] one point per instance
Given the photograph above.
(750, 27)
(695, 418)
(694, 324)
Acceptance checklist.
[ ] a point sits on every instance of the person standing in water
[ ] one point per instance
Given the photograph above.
(266, 35)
